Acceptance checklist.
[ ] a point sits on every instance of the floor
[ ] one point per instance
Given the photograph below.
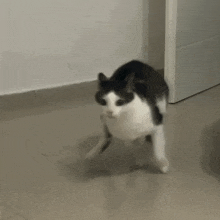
(45, 135)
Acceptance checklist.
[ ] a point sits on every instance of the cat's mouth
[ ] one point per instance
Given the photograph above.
(111, 116)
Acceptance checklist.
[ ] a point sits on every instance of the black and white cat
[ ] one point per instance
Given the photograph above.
(134, 101)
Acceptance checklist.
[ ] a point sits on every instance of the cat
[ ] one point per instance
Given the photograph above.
(134, 102)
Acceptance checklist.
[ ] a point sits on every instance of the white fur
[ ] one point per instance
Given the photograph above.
(134, 120)
(111, 99)
(131, 121)
(159, 142)
(162, 105)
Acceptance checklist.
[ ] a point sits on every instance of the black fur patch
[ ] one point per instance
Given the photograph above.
(148, 138)
(157, 116)
(118, 89)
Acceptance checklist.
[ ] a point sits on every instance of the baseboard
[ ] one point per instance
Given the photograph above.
(77, 93)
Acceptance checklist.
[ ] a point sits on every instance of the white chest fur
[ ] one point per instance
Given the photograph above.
(134, 121)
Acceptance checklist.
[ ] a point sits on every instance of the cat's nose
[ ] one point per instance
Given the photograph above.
(110, 114)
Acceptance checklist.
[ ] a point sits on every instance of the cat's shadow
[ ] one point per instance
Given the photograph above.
(210, 160)
(116, 160)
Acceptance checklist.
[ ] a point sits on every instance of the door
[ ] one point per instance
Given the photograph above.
(192, 47)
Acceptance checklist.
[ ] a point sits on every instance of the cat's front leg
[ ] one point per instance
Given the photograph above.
(102, 145)
(99, 148)
(159, 143)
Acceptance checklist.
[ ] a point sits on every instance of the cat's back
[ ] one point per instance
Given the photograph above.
(145, 79)
(140, 70)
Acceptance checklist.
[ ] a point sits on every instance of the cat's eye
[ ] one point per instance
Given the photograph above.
(120, 102)
(102, 102)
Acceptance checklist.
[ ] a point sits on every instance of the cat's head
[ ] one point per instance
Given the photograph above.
(114, 96)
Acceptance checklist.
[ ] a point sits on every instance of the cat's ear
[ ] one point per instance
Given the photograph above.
(130, 80)
(102, 77)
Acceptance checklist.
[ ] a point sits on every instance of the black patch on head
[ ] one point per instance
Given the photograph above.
(121, 88)
(99, 98)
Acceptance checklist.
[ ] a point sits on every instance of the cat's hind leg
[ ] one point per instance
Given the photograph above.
(102, 145)
(158, 140)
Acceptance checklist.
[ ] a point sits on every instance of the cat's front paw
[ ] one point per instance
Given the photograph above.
(91, 154)
(163, 165)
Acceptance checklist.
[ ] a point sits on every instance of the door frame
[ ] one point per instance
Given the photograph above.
(170, 46)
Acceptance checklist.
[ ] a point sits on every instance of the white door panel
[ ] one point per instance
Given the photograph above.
(192, 47)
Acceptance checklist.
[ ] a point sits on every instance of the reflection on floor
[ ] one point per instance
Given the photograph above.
(44, 136)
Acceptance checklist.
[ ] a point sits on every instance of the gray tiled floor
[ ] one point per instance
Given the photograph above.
(44, 136)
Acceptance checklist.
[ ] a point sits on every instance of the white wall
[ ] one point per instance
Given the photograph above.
(47, 43)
